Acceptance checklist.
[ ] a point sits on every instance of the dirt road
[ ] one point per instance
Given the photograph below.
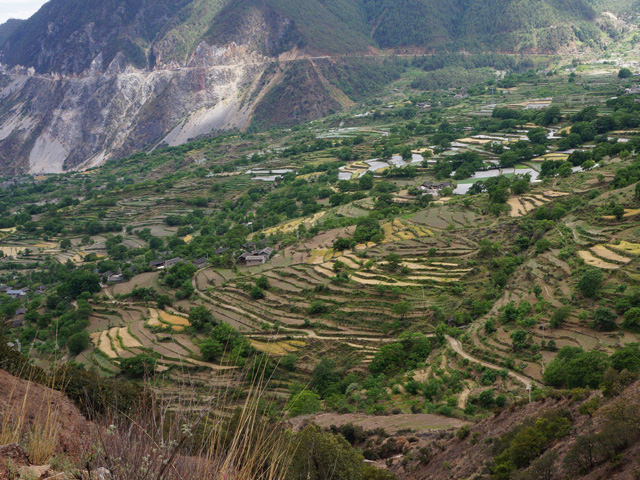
(457, 347)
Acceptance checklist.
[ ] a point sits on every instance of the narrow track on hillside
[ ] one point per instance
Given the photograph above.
(457, 347)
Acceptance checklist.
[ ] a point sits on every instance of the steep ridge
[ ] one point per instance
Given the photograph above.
(84, 81)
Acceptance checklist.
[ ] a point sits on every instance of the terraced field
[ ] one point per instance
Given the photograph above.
(610, 257)
(523, 204)
(447, 217)
(136, 335)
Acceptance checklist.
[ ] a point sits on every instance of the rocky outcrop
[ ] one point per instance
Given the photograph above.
(50, 124)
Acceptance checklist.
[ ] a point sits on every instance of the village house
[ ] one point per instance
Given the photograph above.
(157, 264)
(173, 262)
(251, 260)
(116, 278)
(200, 263)
(434, 188)
(16, 293)
(18, 318)
(256, 257)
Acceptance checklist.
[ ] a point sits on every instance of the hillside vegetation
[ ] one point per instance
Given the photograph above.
(443, 278)
(65, 37)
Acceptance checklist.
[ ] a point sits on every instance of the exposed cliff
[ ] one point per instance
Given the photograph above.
(86, 80)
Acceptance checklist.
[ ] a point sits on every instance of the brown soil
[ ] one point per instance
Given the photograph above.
(39, 399)
(418, 423)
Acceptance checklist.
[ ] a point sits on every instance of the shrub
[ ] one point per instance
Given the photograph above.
(304, 403)
(211, 349)
(78, 342)
(590, 282)
(318, 307)
(632, 318)
(139, 366)
(257, 293)
(200, 317)
(604, 320)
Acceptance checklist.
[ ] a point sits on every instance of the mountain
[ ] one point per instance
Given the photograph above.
(87, 80)
(8, 27)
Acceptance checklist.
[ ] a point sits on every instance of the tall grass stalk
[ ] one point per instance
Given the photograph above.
(178, 436)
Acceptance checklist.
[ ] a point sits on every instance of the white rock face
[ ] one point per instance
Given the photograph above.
(51, 124)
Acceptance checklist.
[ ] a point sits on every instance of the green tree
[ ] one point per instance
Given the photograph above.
(519, 339)
(139, 366)
(155, 243)
(304, 403)
(80, 281)
(257, 293)
(289, 362)
(509, 159)
(604, 320)
(200, 317)
(367, 229)
(575, 368)
(401, 309)
(366, 181)
(624, 73)
(632, 318)
(211, 349)
(590, 282)
(320, 455)
(538, 136)
(78, 342)
(618, 212)
(179, 274)
(263, 282)
(627, 358)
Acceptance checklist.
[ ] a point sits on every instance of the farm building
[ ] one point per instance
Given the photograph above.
(116, 278)
(18, 318)
(256, 257)
(252, 260)
(16, 293)
(434, 188)
(200, 263)
(157, 264)
(173, 262)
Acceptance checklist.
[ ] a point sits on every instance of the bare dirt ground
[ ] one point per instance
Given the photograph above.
(39, 401)
(418, 423)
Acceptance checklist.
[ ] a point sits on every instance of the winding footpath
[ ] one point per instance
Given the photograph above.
(457, 347)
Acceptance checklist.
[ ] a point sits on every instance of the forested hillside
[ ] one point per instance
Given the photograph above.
(67, 35)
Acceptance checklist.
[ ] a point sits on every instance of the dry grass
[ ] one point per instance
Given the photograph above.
(13, 421)
(43, 437)
(174, 319)
(128, 341)
(593, 261)
(277, 349)
(189, 439)
(39, 435)
(628, 247)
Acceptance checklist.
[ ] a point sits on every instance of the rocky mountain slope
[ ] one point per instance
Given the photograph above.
(590, 437)
(86, 81)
